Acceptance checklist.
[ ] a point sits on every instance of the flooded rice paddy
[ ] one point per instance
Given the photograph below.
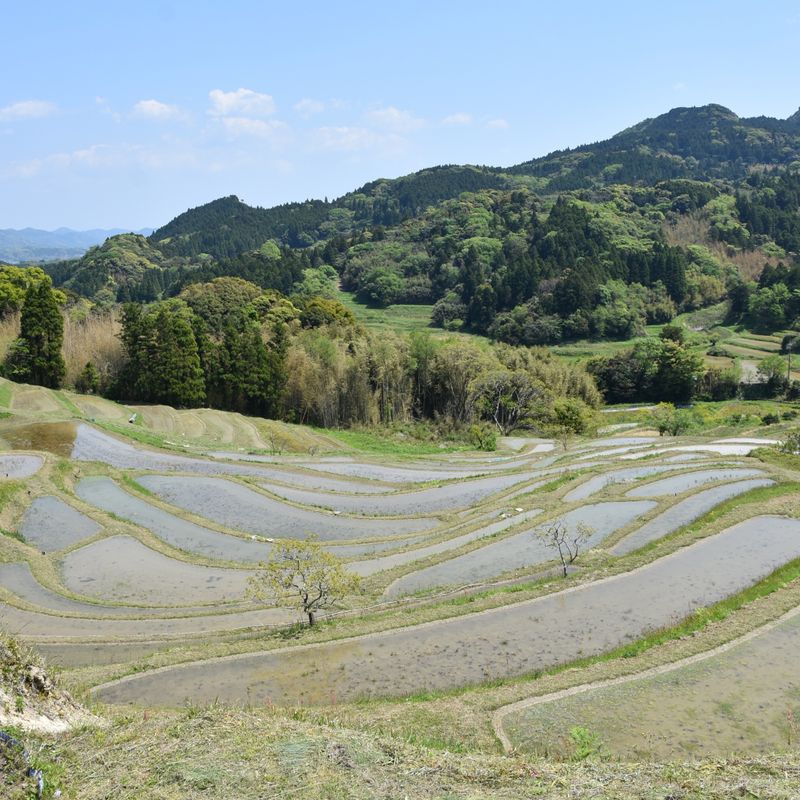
(236, 506)
(520, 550)
(105, 494)
(745, 700)
(678, 484)
(424, 501)
(684, 512)
(389, 562)
(114, 600)
(597, 483)
(503, 642)
(50, 524)
(18, 579)
(44, 627)
(18, 466)
(51, 437)
(121, 569)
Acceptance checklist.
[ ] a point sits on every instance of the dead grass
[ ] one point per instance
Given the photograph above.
(217, 752)
(92, 339)
(9, 330)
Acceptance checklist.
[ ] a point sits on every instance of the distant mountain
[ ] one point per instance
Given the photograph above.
(32, 244)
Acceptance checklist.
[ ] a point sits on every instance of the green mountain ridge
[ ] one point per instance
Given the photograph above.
(669, 215)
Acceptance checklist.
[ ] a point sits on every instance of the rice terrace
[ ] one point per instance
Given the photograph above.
(127, 565)
(400, 403)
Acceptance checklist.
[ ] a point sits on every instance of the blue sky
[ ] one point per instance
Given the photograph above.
(125, 114)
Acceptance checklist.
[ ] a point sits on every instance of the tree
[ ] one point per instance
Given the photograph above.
(35, 356)
(568, 418)
(302, 574)
(88, 382)
(508, 398)
(558, 536)
(671, 420)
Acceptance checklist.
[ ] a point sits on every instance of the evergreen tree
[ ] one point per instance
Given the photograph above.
(36, 357)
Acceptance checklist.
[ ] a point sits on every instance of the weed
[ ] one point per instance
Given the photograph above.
(586, 744)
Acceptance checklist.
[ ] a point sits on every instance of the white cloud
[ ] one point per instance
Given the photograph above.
(27, 109)
(680, 86)
(393, 119)
(307, 107)
(241, 103)
(106, 156)
(244, 126)
(357, 139)
(345, 138)
(497, 124)
(154, 109)
(105, 107)
(461, 118)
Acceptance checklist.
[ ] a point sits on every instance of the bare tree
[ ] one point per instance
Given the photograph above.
(559, 536)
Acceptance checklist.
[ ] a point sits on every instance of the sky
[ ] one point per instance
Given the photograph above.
(123, 115)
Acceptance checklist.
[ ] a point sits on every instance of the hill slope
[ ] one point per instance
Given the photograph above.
(699, 143)
(31, 244)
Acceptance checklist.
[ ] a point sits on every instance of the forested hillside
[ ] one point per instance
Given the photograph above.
(692, 209)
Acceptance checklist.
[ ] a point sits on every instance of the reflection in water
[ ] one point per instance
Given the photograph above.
(52, 437)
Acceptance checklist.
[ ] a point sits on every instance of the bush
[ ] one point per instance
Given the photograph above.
(483, 437)
(791, 444)
(770, 419)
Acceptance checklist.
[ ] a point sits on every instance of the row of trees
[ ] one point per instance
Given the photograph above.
(229, 345)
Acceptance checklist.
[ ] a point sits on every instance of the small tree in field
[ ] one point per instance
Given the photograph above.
(569, 417)
(303, 575)
(558, 535)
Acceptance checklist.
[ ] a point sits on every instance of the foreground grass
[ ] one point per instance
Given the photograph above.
(217, 752)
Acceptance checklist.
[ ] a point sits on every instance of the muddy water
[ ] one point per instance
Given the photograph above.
(236, 506)
(388, 562)
(91, 444)
(425, 501)
(104, 493)
(18, 579)
(395, 474)
(52, 437)
(520, 550)
(37, 626)
(599, 482)
(121, 569)
(684, 512)
(741, 701)
(17, 466)
(473, 649)
(678, 484)
(50, 524)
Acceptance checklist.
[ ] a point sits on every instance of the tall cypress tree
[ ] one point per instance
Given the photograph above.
(35, 357)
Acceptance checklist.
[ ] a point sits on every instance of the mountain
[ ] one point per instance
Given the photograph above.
(32, 244)
(227, 227)
(673, 214)
(702, 143)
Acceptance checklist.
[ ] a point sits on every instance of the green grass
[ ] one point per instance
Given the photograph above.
(5, 394)
(400, 318)
(137, 433)
(68, 404)
(386, 442)
(7, 490)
